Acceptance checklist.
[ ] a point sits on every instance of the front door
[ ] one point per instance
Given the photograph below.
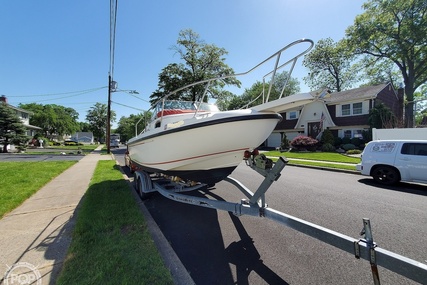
(313, 129)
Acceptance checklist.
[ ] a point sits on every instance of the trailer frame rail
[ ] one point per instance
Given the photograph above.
(255, 205)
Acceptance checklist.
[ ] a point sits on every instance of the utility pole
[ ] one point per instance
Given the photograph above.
(108, 115)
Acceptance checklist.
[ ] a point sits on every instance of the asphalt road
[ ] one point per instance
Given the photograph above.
(5, 157)
(219, 248)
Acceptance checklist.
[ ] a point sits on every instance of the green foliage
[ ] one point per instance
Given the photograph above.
(53, 119)
(345, 140)
(39, 137)
(348, 146)
(97, 118)
(327, 137)
(72, 143)
(328, 147)
(394, 31)
(381, 117)
(354, 151)
(201, 61)
(356, 141)
(329, 65)
(126, 125)
(337, 141)
(367, 135)
(285, 142)
(254, 95)
(12, 131)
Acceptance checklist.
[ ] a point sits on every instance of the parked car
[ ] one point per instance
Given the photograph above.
(390, 161)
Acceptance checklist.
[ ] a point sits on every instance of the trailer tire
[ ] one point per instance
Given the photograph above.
(140, 185)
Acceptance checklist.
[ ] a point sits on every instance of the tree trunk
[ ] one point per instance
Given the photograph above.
(409, 108)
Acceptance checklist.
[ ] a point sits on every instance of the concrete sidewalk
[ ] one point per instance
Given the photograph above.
(34, 238)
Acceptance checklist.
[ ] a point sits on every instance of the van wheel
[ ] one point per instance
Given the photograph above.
(385, 175)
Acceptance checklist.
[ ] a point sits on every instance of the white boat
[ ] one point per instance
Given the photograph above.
(195, 141)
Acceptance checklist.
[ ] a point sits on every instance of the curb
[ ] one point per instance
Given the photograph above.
(325, 168)
(179, 273)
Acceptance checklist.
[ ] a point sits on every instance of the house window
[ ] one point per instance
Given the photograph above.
(292, 115)
(24, 115)
(352, 109)
(345, 110)
(357, 134)
(347, 133)
(357, 108)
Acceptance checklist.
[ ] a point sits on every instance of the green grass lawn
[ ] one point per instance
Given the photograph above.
(20, 180)
(111, 243)
(323, 156)
(318, 159)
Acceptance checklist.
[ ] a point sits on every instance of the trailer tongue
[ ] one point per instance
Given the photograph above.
(254, 204)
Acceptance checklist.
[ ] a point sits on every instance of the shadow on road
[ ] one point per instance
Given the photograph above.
(417, 189)
(195, 235)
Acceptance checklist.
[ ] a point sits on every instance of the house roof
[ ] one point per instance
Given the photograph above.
(19, 109)
(366, 92)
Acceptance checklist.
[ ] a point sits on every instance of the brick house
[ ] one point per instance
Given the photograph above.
(345, 113)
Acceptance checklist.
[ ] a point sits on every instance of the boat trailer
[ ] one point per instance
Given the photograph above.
(255, 205)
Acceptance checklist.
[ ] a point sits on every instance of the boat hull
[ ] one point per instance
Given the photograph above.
(205, 149)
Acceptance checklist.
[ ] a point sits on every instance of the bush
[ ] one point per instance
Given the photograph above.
(285, 142)
(346, 140)
(37, 138)
(304, 143)
(327, 147)
(354, 151)
(348, 147)
(70, 143)
(327, 137)
(356, 141)
(338, 141)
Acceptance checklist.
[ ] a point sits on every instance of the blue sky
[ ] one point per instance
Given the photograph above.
(50, 50)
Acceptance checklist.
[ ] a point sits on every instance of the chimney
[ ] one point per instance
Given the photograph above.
(3, 99)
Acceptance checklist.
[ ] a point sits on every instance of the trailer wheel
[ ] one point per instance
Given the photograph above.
(141, 186)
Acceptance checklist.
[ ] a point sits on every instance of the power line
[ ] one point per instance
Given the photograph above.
(113, 24)
(62, 93)
(128, 106)
(58, 98)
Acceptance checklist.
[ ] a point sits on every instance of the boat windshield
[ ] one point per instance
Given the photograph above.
(185, 106)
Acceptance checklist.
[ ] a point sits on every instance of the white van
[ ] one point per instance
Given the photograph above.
(389, 161)
(114, 143)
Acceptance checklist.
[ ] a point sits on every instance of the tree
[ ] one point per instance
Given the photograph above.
(84, 127)
(257, 93)
(12, 131)
(420, 98)
(201, 61)
(377, 71)
(97, 118)
(395, 31)
(382, 117)
(330, 67)
(126, 125)
(53, 119)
